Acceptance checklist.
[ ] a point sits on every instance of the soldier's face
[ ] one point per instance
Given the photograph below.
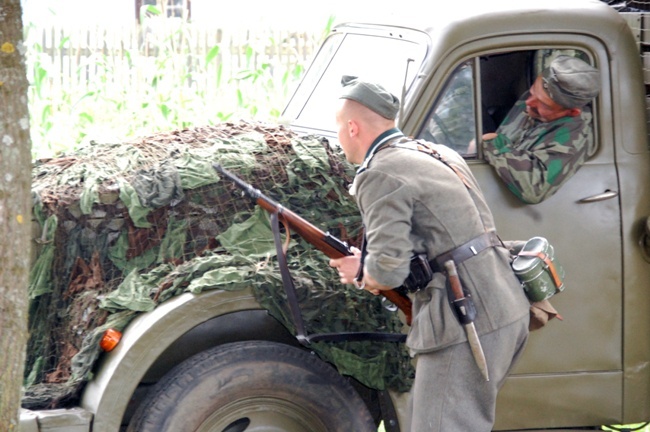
(540, 106)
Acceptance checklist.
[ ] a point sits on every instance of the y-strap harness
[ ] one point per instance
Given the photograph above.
(467, 250)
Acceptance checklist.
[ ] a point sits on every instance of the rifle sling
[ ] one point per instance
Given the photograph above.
(287, 282)
(294, 305)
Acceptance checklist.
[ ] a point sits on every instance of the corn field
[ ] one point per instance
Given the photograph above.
(112, 84)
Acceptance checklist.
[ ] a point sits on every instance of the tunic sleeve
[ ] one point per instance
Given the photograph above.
(534, 167)
(386, 204)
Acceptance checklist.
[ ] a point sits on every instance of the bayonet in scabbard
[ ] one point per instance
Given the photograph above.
(466, 313)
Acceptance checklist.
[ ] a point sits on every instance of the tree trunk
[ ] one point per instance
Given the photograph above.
(15, 213)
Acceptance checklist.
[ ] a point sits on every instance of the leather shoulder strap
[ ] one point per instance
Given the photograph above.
(426, 147)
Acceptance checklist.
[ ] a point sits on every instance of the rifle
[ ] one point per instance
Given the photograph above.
(330, 245)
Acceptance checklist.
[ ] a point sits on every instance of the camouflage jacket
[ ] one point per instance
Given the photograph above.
(535, 158)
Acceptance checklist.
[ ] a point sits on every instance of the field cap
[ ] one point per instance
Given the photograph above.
(571, 82)
(372, 96)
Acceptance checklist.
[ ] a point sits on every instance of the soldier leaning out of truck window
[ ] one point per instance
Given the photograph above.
(545, 137)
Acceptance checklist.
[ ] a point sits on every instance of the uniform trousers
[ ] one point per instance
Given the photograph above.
(450, 394)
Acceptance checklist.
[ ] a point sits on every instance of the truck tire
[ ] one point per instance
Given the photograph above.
(255, 385)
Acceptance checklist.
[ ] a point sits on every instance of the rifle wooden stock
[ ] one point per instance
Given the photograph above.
(330, 245)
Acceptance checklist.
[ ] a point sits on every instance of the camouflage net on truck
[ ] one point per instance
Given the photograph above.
(127, 226)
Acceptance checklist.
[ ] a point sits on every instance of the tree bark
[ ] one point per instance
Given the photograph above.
(15, 214)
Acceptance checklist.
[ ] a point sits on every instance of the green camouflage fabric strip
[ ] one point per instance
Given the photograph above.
(535, 158)
(127, 226)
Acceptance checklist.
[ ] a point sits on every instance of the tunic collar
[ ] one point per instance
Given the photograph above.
(386, 136)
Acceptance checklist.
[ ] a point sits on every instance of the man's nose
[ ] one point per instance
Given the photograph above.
(531, 101)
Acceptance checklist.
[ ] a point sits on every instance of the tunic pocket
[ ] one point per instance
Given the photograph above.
(434, 324)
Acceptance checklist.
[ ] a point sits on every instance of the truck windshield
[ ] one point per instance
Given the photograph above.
(380, 58)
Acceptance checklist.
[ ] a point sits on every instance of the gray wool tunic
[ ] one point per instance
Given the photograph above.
(413, 203)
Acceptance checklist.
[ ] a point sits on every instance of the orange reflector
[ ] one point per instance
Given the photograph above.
(110, 339)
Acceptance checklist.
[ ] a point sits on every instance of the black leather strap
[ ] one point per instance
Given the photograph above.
(287, 281)
(357, 336)
(466, 251)
(362, 261)
(294, 305)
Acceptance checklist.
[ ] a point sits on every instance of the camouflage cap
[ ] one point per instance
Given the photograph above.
(571, 82)
(372, 96)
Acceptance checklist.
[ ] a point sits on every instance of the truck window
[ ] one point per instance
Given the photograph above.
(504, 77)
(392, 59)
(451, 121)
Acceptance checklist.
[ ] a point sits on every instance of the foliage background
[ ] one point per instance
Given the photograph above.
(64, 117)
(110, 85)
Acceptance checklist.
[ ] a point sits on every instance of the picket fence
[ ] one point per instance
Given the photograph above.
(82, 57)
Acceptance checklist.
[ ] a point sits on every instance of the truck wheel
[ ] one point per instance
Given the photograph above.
(256, 385)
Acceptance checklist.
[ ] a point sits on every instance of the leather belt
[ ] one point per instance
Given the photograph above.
(466, 251)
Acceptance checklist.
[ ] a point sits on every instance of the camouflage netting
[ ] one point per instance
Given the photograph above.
(127, 226)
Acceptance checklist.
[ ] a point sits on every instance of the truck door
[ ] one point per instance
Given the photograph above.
(582, 354)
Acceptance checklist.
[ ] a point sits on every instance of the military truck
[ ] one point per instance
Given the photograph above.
(458, 70)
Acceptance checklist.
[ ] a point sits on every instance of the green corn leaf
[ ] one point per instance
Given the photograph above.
(214, 51)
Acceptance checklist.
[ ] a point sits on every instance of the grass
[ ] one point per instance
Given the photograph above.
(637, 427)
(617, 428)
(160, 85)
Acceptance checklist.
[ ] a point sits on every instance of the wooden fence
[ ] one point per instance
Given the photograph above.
(82, 57)
(108, 84)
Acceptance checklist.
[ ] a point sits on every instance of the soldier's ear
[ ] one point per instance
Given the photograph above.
(353, 128)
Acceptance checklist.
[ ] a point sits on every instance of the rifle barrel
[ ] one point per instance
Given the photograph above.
(331, 246)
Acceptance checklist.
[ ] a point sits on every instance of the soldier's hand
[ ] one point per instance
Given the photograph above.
(348, 266)
(371, 285)
(471, 147)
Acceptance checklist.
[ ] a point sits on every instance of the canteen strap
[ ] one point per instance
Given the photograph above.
(549, 263)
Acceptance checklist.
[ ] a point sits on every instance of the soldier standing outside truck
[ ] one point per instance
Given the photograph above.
(412, 203)
(546, 136)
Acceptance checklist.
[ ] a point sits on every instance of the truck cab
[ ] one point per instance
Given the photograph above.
(457, 73)
(458, 77)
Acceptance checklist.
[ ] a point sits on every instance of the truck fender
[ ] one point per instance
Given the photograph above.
(120, 371)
